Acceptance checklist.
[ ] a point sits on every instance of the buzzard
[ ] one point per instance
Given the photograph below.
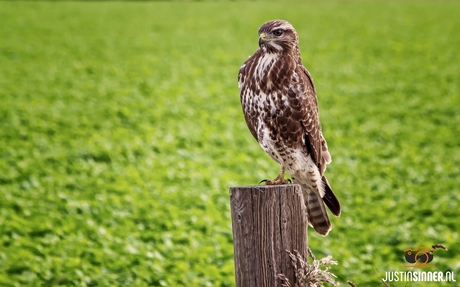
(281, 110)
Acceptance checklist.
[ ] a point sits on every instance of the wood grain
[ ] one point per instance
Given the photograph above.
(267, 221)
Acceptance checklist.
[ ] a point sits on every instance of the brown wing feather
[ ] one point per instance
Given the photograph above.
(317, 143)
(310, 121)
(244, 74)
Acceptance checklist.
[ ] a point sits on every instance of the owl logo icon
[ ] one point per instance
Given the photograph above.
(419, 257)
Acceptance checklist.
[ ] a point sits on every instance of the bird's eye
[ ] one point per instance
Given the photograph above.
(278, 32)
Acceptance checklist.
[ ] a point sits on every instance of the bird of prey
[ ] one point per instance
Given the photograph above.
(280, 107)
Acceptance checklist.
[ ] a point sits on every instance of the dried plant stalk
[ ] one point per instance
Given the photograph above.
(310, 275)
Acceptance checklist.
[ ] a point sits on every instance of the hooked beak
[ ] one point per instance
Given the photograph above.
(262, 39)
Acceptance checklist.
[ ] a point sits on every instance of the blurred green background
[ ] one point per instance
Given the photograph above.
(121, 131)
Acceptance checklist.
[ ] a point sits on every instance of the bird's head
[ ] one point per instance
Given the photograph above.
(278, 36)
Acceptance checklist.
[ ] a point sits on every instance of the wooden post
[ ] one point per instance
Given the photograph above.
(267, 220)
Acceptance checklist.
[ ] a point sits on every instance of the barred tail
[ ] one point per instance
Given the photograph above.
(317, 214)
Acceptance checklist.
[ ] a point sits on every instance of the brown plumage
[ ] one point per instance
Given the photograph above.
(279, 102)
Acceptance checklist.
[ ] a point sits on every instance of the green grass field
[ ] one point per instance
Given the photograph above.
(121, 131)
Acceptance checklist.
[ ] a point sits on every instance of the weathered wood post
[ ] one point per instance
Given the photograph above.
(267, 220)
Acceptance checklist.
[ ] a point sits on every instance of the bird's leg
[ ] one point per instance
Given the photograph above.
(279, 179)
